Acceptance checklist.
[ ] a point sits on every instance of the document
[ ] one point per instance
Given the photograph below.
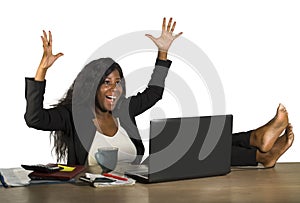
(111, 180)
(13, 177)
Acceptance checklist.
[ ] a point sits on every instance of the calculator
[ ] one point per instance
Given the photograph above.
(42, 168)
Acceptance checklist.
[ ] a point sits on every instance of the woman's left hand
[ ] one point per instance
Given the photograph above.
(166, 38)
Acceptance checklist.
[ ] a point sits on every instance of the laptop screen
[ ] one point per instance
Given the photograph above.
(184, 148)
(190, 147)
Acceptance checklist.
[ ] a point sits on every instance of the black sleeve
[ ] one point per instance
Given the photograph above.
(154, 91)
(36, 116)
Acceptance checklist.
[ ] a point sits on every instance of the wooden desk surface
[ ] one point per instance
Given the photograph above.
(279, 184)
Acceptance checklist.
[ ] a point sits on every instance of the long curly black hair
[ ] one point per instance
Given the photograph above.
(83, 93)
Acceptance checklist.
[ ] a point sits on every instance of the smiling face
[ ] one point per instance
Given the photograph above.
(109, 92)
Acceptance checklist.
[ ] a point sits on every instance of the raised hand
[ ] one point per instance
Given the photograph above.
(48, 58)
(166, 38)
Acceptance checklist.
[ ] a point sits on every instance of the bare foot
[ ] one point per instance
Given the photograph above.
(265, 136)
(268, 159)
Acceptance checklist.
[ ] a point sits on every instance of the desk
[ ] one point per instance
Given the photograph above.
(279, 184)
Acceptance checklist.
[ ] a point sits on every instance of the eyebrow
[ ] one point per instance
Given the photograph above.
(111, 78)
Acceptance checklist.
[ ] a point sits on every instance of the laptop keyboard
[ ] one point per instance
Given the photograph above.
(133, 169)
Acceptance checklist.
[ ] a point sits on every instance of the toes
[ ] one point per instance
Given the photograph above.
(289, 129)
(289, 135)
(282, 108)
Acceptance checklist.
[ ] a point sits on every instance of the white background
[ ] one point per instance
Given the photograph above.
(254, 46)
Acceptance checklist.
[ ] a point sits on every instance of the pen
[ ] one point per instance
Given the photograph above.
(114, 176)
(3, 181)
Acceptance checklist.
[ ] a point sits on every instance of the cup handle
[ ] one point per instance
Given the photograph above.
(97, 156)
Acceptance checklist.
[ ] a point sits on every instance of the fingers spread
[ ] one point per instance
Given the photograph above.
(164, 24)
(169, 24)
(178, 34)
(50, 38)
(45, 40)
(173, 26)
(150, 36)
(58, 55)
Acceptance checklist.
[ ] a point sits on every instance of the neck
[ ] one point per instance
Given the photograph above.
(102, 114)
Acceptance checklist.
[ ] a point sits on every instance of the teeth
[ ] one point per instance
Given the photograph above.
(112, 97)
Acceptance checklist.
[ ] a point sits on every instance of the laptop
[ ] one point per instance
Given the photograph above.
(186, 148)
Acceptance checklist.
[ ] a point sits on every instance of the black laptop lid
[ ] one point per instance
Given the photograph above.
(192, 147)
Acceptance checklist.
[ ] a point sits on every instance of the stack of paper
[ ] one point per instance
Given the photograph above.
(67, 173)
(12, 177)
(116, 180)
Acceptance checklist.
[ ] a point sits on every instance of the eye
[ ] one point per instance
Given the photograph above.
(106, 82)
(118, 83)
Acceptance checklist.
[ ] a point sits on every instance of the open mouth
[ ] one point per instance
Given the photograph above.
(111, 98)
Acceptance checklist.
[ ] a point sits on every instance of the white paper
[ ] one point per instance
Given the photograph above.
(92, 176)
(15, 176)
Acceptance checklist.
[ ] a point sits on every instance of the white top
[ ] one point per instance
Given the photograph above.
(121, 140)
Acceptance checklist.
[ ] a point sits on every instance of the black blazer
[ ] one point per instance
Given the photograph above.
(80, 135)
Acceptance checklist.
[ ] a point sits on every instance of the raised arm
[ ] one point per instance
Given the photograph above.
(36, 116)
(48, 58)
(166, 38)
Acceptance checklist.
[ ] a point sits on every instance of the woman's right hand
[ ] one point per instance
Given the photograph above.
(48, 58)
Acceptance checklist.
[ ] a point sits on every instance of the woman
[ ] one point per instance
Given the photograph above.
(96, 113)
(95, 108)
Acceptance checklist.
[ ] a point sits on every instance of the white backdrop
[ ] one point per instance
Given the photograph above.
(254, 46)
